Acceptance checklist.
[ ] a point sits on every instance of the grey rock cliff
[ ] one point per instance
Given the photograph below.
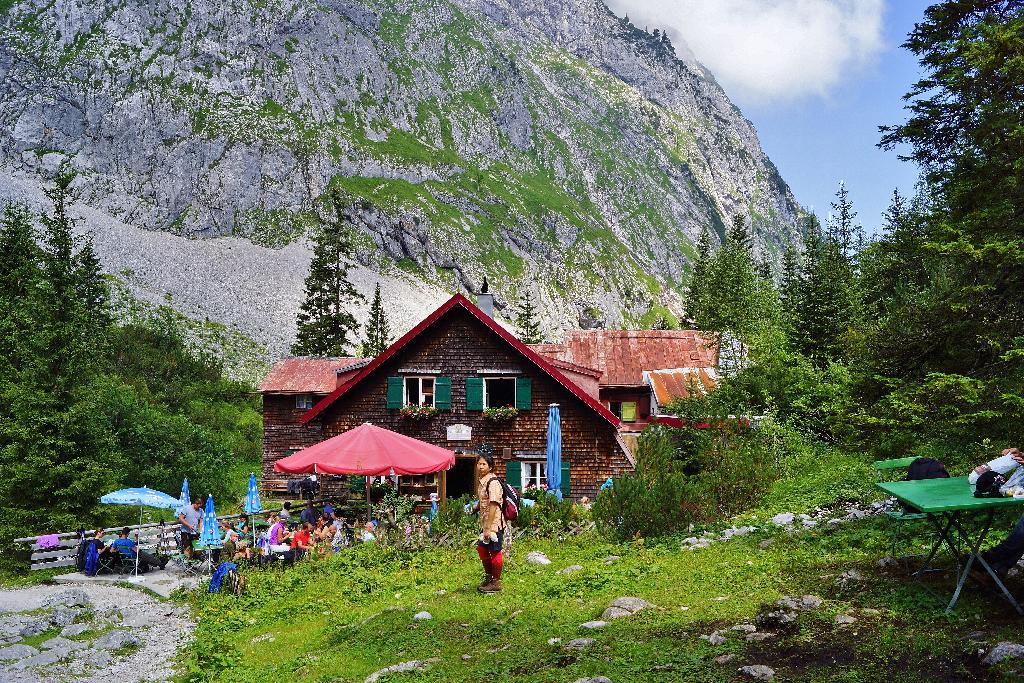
(545, 143)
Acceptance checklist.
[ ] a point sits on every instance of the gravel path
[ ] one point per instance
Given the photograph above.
(161, 626)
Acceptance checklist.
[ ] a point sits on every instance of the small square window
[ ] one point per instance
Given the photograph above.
(624, 410)
(535, 474)
(419, 391)
(303, 401)
(499, 392)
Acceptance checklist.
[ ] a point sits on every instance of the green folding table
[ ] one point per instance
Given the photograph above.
(947, 502)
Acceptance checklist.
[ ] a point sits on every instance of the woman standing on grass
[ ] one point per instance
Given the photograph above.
(492, 523)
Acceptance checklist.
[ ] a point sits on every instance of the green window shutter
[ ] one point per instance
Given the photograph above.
(443, 393)
(565, 479)
(524, 393)
(629, 411)
(514, 473)
(474, 393)
(395, 391)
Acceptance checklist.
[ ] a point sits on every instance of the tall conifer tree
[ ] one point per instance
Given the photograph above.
(378, 329)
(526, 320)
(326, 326)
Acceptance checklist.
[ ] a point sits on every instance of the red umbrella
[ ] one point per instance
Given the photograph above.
(371, 451)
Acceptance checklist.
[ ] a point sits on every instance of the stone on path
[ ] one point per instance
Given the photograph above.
(580, 643)
(62, 616)
(115, 640)
(45, 658)
(590, 625)
(58, 643)
(724, 659)
(1003, 650)
(72, 597)
(746, 628)
(402, 667)
(537, 557)
(34, 627)
(845, 619)
(570, 569)
(72, 630)
(13, 652)
(759, 672)
(422, 616)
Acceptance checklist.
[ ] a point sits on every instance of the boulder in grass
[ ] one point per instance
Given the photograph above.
(422, 616)
(631, 605)
(591, 625)
(802, 603)
(72, 630)
(775, 618)
(537, 557)
(401, 667)
(783, 519)
(14, 652)
(580, 643)
(570, 569)
(595, 679)
(759, 672)
(1003, 650)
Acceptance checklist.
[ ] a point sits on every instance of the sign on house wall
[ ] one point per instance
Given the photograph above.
(460, 432)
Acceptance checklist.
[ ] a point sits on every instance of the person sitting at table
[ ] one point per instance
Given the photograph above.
(302, 542)
(242, 526)
(126, 546)
(309, 515)
(368, 535)
(1008, 553)
(277, 535)
(234, 549)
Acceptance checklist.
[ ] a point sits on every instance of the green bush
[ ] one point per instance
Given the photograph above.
(550, 517)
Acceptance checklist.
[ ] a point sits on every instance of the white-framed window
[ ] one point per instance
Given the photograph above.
(535, 473)
(499, 392)
(419, 391)
(304, 401)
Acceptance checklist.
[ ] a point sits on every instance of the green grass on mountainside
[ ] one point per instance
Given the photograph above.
(341, 618)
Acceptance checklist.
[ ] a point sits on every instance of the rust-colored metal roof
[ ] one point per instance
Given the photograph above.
(622, 356)
(681, 383)
(304, 375)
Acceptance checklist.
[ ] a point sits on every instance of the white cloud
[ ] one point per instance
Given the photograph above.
(768, 50)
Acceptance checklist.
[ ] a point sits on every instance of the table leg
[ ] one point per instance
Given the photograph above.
(975, 554)
(936, 521)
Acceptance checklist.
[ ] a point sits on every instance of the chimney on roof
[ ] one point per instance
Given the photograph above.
(485, 300)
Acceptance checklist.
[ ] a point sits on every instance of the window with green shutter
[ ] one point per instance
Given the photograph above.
(514, 473)
(628, 411)
(443, 393)
(565, 479)
(524, 393)
(395, 393)
(474, 393)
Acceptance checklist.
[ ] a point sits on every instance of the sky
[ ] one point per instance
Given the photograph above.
(816, 78)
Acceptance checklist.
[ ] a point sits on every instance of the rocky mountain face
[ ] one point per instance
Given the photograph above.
(547, 144)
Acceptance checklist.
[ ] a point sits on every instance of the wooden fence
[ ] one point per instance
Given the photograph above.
(153, 537)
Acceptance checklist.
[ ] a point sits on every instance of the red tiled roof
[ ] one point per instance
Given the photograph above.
(541, 362)
(679, 382)
(623, 355)
(304, 375)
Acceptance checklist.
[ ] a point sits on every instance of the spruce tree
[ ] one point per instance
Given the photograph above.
(20, 273)
(378, 329)
(698, 294)
(526, 320)
(325, 324)
(789, 288)
(842, 226)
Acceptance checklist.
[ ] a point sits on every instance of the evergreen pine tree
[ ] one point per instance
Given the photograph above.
(325, 325)
(526, 320)
(842, 226)
(789, 288)
(20, 273)
(378, 329)
(698, 294)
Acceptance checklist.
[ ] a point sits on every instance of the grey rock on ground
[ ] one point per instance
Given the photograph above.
(422, 616)
(580, 643)
(401, 667)
(845, 619)
(69, 597)
(774, 618)
(803, 603)
(1003, 650)
(624, 607)
(58, 643)
(554, 641)
(44, 658)
(759, 672)
(595, 679)
(72, 630)
(746, 628)
(848, 578)
(537, 557)
(758, 636)
(724, 659)
(13, 652)
(116, 639)
(783, 519)
(570, 569)
(591, 625)
(717, 638)
(34, 627)
(611, 559)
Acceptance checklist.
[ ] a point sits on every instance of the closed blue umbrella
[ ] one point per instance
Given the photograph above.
(211, 530)
(143, 497)
(554, 451)
(253, 504)
(185, 500)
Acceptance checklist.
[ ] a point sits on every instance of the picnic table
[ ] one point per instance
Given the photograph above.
(948, 503)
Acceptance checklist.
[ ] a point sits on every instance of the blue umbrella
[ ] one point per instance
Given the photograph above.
(185, 500)
(252, 504)
(554, 451)
(211, 530)
(143, 497)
